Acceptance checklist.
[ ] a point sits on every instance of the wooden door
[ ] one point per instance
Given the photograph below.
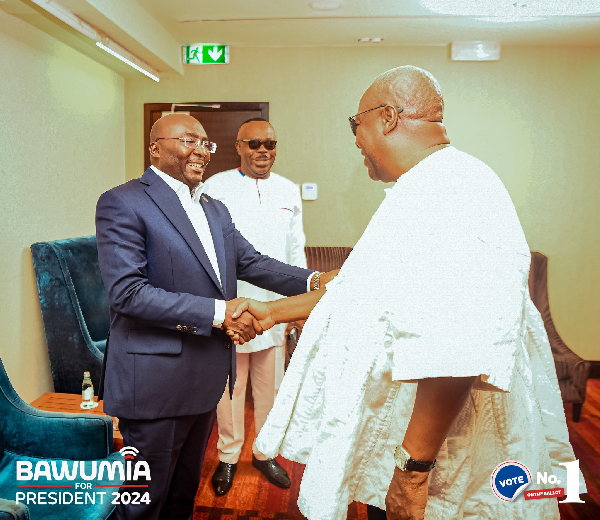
(221, 122)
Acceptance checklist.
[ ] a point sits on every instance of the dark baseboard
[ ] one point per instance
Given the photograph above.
(595, 370)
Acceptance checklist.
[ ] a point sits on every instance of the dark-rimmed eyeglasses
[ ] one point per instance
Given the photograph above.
(190, 142)
(255, 144)
(352, 119)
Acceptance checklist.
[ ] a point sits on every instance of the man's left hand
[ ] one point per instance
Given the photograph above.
(407, 496)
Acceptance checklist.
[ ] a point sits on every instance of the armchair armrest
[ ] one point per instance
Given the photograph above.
(60, 435)
(10, 510)
(37, 433)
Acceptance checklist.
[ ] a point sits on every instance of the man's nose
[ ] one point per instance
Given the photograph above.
(201, 151)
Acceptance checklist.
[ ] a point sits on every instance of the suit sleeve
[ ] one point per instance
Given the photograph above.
(266, 272)
(122, 255)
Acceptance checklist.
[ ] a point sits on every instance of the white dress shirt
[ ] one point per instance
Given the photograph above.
(195, 212)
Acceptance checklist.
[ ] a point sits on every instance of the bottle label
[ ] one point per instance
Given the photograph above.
(88, 394)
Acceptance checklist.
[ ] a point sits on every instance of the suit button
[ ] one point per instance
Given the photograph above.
(179, 327)
(227, 343)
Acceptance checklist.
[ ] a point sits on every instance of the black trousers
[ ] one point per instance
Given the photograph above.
(374, 513)
(174, 449)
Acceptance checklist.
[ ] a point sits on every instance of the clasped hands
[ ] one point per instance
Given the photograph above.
(245, 319)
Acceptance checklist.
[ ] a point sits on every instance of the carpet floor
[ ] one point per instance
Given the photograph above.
(252, 497)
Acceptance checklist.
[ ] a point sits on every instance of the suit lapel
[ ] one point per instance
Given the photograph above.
(168, 202)
(216, 230)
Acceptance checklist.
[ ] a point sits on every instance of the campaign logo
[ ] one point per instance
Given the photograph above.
(87, 481)
(129, 452)
(509, 479)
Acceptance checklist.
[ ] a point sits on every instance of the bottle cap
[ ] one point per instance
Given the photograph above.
(86, 374)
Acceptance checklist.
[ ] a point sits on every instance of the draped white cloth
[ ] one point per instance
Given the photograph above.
(435, 287)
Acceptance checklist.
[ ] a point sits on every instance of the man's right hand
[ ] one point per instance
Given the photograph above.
(244, 326)
(260, 310)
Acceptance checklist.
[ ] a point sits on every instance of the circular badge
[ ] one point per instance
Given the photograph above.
(509, 479)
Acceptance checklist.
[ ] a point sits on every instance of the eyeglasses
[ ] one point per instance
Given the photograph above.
(255, 144)
(190, 142)
(354, 124)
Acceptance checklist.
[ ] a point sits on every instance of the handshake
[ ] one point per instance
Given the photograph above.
(246, 318)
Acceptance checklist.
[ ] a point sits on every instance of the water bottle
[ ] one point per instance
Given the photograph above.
(87, 392)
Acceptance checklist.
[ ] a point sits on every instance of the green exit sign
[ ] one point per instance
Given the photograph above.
(205, 54)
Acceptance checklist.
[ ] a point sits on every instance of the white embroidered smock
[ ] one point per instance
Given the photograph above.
(446, 295)
(268, 212)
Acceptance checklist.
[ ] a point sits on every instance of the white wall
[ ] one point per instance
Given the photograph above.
(62, 138)
(533, 116)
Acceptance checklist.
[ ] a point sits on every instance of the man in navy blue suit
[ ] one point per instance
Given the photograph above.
(170, 258)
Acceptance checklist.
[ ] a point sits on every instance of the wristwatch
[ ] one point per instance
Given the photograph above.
(406, 463)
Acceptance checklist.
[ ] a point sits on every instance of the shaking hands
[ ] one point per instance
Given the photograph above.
(246, 318)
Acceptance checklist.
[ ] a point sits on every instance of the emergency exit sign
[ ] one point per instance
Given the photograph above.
(205, 54)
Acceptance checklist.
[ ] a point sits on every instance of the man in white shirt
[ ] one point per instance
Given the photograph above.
(414, 382)
(267, 210)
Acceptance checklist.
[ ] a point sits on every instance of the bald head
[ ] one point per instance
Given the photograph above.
(166, 124)
(413, 89)
(399, 122)
(170, 152)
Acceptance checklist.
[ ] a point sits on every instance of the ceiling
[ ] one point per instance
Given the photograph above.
(155, 30)
(252, 23)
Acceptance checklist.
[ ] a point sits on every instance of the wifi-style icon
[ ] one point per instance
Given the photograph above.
(129, 452)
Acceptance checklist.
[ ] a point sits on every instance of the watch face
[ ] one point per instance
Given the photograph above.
(401, 457)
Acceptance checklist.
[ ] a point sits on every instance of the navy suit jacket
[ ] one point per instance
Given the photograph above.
(164, 358)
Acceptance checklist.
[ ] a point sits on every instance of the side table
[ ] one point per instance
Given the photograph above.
(69, 403)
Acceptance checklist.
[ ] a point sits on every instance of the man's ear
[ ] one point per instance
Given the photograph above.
(154, 150)
(390, 119)
(237, 148)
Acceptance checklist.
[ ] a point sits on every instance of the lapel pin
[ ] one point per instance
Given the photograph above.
(204, 198)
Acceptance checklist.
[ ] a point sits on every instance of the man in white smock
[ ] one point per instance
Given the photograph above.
(267, 209)
(424, 364)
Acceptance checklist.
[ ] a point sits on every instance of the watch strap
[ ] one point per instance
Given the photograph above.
(406, 463)
(419, 465)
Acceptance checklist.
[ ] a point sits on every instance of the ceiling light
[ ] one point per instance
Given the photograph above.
(103, 42)
(374, 40)
(326, 5)
(475, 51)
(126, 57)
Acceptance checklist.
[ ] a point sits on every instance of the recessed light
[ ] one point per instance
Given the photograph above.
(326, 5)
(373, 40)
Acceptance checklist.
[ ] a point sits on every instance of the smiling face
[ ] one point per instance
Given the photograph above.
(171, 156)
(256, 163)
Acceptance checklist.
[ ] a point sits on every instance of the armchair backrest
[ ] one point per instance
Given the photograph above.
(326, 258)
(75, 308)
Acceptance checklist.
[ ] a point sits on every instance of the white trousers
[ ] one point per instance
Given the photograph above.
(262, 367)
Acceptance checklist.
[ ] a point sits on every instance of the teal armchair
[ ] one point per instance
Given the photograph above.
(33, 435)
(75, 309)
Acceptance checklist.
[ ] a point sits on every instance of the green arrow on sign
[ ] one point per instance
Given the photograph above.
(206, 53)
(216, 54)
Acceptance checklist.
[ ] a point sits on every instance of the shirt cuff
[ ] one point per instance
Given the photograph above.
(308, 281)
(219, 318)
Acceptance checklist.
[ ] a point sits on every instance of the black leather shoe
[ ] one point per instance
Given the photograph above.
(222, 479)
(271, 469)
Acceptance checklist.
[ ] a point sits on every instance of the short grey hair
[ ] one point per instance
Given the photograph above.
(413, 89)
